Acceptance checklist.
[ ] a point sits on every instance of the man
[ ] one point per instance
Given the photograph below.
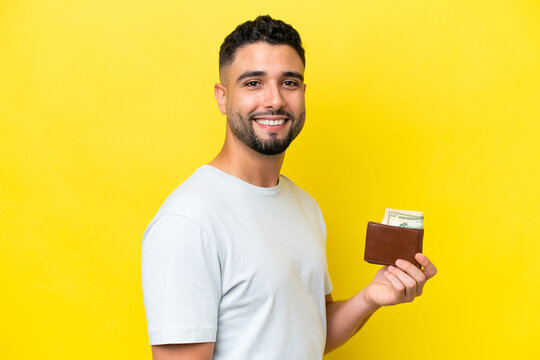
(234, 264)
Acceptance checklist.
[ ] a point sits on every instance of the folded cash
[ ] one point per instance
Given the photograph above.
(403, 218)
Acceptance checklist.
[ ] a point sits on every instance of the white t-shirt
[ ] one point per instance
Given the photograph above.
(244, 266)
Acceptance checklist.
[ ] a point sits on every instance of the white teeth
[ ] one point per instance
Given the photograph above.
(270, 122)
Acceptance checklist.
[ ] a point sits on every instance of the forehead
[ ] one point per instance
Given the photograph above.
(265, 57)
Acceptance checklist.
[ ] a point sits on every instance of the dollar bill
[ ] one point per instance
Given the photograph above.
(403, 218)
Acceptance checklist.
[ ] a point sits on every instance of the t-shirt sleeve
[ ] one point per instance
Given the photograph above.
(181, 281)
(327, 281)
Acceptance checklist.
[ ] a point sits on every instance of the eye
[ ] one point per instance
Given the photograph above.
(290, 83)
(252, 83)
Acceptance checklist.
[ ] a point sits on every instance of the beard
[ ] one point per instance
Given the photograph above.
(244, 131)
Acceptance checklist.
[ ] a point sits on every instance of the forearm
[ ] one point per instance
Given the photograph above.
(346, 318)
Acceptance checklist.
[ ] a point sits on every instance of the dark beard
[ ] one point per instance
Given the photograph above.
(244, 131)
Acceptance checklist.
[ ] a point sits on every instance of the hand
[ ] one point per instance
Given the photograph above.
(401, 283)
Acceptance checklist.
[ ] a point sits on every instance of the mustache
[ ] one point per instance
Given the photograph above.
(272, 113)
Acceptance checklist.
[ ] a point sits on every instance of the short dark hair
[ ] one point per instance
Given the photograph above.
(262, 29)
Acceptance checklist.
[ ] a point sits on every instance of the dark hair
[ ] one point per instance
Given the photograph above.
(262, 29)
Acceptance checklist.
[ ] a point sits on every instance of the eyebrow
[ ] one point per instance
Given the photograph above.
(247, 74)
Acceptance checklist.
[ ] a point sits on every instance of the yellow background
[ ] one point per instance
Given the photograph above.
(107, 106)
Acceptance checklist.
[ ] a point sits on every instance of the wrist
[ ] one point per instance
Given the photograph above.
(368, 303)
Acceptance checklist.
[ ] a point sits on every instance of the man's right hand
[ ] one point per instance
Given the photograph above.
(198, 351)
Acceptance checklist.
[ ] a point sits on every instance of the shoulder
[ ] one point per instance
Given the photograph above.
(299, 192)
(179, 226)
(195, 195)
(307, 202)
(192, 199)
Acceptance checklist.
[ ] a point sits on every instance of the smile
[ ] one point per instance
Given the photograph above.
(268, 122)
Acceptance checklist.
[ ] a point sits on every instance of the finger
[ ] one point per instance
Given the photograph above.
(406, 280)
(414, 272)
(396, 285)
(429, 269)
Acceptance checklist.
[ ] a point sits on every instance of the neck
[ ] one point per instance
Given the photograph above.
(239, 160)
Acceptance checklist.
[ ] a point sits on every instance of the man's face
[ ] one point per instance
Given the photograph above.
(265, 103)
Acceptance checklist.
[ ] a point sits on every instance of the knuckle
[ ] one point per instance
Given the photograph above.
(410, 284)
(405, 265)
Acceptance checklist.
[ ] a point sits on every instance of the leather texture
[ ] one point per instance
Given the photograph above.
(385, 244)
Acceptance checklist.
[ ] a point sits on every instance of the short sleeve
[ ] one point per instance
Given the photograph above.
(181, 281)
(327, 281)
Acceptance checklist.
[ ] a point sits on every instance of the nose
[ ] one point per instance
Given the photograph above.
(273, 98)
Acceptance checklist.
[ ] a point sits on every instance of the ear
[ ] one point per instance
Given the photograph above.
(220, 91)
(305, 88)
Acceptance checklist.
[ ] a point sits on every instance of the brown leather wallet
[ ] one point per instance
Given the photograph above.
(385, 244)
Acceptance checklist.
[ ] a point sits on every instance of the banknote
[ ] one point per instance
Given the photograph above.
(403, 218)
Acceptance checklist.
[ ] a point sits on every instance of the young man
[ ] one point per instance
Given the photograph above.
(234, 264)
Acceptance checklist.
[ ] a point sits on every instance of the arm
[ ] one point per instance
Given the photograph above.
(181, 288)
(198, 351)
(391, 285)
(345, 318)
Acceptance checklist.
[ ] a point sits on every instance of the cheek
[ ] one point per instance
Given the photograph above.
(297, 100)
(243, 104)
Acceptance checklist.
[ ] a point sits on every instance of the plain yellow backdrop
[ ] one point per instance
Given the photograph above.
(107, 106)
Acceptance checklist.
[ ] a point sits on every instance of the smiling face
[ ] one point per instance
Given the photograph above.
(262, 93)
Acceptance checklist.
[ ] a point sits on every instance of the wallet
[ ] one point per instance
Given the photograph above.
(386, 243)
